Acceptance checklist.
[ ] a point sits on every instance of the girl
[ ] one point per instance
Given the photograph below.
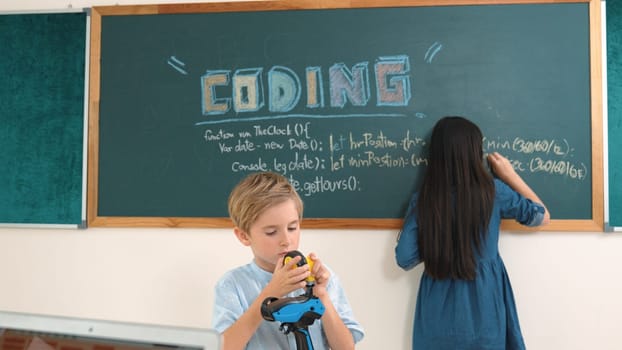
(465, 300)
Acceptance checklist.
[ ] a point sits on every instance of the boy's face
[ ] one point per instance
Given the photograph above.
(275, 232)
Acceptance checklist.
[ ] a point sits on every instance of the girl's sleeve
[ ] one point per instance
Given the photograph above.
(515, 206)
(407, 249)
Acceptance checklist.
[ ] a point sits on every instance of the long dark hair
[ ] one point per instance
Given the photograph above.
(455, 200)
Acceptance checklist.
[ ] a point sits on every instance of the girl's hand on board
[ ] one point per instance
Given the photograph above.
(501, 167)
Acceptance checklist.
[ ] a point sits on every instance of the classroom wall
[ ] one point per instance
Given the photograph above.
(567, 284)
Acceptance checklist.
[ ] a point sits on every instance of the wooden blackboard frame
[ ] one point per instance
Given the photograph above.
(94, 219)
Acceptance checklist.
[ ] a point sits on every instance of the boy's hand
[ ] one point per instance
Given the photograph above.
(322, 276)
(288, 277)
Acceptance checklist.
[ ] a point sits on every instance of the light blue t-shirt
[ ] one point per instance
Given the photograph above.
(238, 288)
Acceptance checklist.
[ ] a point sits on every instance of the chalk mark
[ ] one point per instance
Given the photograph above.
(432, 51)
(177, 65)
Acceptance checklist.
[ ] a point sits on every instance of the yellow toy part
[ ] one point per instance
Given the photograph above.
(303, 261)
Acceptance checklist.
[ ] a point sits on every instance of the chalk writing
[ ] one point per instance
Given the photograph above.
(549, 156)
(284, 87)
(320, 184)
(521, 145)
(304, 150)
(296, 149)
(558, 167)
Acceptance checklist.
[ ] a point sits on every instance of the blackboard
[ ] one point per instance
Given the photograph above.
(614, 96)
(42, 108)
(188, 99)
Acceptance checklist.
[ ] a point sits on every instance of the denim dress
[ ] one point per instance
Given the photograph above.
(475, 314)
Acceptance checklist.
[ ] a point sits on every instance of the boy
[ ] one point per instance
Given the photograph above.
(266, 212)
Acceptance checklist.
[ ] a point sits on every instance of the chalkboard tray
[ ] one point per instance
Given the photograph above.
(187, 99)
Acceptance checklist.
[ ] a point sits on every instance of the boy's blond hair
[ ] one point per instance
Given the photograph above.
(258, 192)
